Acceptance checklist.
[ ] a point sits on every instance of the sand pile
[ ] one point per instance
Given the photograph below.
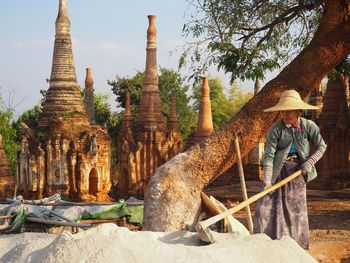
(110, 243)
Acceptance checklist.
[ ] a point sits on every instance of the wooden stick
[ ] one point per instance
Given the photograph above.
(62, 203)
(54, 222)
(4, 227)
(206, 223)
(243, 186)
(59, 215)
(5, 217)
(98, 221)
(78, 204)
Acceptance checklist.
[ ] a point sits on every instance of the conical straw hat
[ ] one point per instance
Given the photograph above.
(291, 100)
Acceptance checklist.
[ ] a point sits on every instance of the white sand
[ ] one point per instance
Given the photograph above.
(110, 243)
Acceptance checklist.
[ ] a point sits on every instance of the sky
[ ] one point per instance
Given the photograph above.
(109, 36)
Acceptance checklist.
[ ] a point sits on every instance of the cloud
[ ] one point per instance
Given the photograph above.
(107, 45)
(119, 48)
(110, 48)
(42, 42)
(16, 44)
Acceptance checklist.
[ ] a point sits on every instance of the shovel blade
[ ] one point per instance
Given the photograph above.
(204, 233)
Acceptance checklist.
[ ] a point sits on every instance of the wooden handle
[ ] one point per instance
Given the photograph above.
(214, 219)
(4, 227)
(243, 186)
(55, 222)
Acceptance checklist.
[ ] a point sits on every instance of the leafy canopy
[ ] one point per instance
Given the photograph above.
(246, 38)
(8, 133)
(102, 107)
(170, 83)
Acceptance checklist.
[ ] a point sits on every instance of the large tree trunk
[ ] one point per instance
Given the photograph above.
(172, 198)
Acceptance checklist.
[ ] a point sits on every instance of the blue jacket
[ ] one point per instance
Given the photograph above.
(279, 141)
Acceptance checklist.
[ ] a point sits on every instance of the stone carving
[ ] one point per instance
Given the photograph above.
(64, 153)
(150, 143)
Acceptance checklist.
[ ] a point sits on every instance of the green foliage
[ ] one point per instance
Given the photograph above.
(103, 111)
(112, 120)
(133, 85)
(247, 38)
(9, 139)
(223, 106)
(170, 83)
(238, 98)
(30, 117)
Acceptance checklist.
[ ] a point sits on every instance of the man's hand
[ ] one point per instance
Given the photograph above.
(306, 168)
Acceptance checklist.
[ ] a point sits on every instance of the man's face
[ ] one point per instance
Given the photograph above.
(289, 116)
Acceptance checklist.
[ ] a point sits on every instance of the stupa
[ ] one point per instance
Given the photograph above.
(64, 153)
(149, 142)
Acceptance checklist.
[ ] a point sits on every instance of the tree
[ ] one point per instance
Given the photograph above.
(30, 117)
(170, 83)
(223, 107)
(178, 183)
(238, 98)
(102, 107)
(133, 85)
(246, 38)
(8, 133)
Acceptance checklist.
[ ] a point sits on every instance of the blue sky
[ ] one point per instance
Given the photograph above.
(108, 35)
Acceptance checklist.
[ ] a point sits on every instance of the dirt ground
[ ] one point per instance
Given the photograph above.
(329, 218)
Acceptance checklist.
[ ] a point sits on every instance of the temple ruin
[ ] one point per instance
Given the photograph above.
(64, 153)
(334, 121)
(149, 142)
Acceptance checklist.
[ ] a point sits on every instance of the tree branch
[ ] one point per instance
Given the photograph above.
(285, 17)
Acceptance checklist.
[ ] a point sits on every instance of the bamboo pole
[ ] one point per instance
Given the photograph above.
(55, 222)
(243, 185)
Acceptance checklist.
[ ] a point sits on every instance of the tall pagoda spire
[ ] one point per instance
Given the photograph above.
(205, 120)
(63, 95)
(150, 85)
(89, 95)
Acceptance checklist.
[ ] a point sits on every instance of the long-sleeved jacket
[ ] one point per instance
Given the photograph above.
(279, 141)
